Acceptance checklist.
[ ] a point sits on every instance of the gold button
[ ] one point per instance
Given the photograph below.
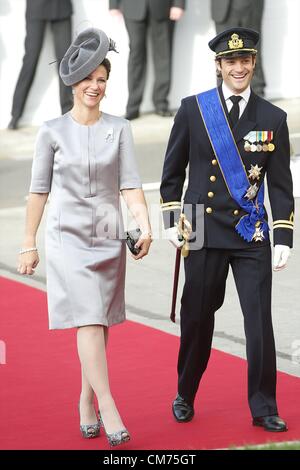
(209, 210)
(210, 194)
(214, 162)
(212, 178)
(236, 212)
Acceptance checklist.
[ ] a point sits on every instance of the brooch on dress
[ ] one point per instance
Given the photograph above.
(109, 135)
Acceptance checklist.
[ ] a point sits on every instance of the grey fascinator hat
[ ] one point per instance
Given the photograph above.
(84, 55)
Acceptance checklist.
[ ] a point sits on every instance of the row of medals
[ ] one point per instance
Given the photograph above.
(259, 141)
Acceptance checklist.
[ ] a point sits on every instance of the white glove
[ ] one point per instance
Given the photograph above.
(172, 235)
(281, 255)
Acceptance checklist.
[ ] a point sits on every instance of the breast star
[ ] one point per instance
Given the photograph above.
(251, 191)
(254, 172)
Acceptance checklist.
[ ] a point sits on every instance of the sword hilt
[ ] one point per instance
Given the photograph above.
(184, 230)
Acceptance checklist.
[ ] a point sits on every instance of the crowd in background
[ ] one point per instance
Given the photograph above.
(141, 17)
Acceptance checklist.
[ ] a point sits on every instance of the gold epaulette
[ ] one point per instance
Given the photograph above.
(285, 223)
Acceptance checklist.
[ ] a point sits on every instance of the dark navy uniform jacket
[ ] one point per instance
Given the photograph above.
(189, 145)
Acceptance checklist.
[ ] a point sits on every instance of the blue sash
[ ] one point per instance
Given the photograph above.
(251, 226)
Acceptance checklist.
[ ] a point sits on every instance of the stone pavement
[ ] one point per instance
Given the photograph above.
(149, 282)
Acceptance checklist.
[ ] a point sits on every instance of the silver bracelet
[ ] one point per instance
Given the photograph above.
(27, 250)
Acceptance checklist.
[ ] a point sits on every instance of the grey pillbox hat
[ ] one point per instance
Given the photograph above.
(84, 55)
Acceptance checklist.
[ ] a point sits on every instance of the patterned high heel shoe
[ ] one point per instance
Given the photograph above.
(115, 438)
(89, 431)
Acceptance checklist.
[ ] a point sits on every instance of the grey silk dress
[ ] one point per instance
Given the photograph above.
(84, 168)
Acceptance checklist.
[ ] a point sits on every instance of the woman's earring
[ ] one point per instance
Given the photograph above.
(73, 91)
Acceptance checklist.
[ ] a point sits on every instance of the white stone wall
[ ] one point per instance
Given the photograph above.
(193, 65)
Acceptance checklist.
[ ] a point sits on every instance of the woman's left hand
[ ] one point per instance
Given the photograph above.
(144, 243)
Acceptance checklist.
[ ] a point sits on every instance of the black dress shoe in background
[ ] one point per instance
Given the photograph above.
(164, 112)
(270, 423)
(182, 411)
(132, 115)
(13, 124)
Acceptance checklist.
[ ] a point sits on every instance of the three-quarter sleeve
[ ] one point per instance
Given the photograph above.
(128, 172)
(42, 165)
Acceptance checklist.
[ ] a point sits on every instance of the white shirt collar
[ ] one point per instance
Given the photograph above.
(227, 92)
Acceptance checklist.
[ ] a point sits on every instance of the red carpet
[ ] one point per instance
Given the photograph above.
(40, 387)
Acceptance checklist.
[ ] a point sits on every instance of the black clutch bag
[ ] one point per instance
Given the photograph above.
(131, 238)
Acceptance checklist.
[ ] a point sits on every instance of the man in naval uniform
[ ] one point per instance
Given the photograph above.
(231, 139)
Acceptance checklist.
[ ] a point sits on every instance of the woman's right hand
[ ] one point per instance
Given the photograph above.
(28, 262)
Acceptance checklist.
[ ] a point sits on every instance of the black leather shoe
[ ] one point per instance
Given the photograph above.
(270, 423)
(182, 411)
(133, 115)
(164, 112)
(13, 124)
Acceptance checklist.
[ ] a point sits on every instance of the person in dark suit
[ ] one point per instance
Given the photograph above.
(231, 139)
(38, 14)
(245, 13)
(159, 16)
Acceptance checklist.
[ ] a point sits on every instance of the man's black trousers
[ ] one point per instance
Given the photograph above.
(206, 273)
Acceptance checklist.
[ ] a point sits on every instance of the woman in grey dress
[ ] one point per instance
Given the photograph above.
(85, 159)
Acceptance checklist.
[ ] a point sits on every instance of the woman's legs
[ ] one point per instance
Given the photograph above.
(91, 343)
(87, 407)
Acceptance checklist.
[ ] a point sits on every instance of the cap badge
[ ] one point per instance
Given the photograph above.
(235, 42)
